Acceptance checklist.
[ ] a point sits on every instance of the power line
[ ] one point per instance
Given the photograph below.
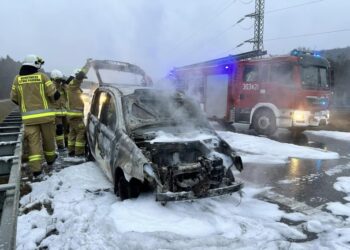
(217, 36)
(289, 37)
(270, 11)
(293, 6)
(246, 28)
(221, 10)
(275, 10)
(221, 33)
(248, 2)
(307, 35)
(214, 38)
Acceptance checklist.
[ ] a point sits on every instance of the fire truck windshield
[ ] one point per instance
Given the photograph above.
(314, 77)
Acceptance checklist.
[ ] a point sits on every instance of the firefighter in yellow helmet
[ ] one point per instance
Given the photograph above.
(62, 128)
(75, 114)
(34, 93)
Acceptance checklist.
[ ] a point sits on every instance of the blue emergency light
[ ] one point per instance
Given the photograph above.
(317, 54)
(296, 52)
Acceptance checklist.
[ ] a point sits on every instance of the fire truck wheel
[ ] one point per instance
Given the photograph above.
(264, 122)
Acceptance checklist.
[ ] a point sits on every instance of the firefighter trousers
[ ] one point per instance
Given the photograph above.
(62, 131)
(76, 137)
(41, 139)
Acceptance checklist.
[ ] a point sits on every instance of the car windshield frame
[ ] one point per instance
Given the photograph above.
(118, 73)
(161, 109)
(116, 77)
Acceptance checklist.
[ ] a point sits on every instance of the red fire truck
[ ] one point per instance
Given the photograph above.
(291, 91)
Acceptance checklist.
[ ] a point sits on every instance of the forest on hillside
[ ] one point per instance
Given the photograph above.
(340, 61)
(8, 70)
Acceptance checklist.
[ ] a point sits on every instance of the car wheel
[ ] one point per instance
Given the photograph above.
(123, 188)
(264, 122)
(134, 188)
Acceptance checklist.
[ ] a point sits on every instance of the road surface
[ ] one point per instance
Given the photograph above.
(309, 181)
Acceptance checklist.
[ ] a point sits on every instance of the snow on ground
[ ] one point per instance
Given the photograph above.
(298, 180)
(337, 169)
(80, 211)
(264, 150)
(77, 209)
(343, 185)
(341, 209)
(343, 136)
(338, 208)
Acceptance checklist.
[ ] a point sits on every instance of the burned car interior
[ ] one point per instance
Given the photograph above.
(146, 107)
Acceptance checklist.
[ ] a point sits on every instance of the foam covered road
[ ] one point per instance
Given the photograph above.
(75, 208)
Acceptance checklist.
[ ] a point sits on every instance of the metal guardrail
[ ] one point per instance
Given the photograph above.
(11, 134)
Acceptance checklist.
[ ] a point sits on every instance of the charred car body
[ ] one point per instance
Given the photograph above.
(144, 137)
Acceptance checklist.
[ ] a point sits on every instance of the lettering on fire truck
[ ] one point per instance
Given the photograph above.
(250, 86)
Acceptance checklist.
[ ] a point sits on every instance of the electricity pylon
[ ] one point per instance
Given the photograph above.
(258, 15)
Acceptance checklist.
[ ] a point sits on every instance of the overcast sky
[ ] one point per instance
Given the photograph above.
(160, 34)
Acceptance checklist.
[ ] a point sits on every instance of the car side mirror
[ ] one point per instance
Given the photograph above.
(238, 163)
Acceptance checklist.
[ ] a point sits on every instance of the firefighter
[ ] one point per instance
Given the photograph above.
(34, 93)
(75, 114)
(62, 128)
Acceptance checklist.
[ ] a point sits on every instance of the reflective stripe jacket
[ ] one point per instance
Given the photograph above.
(75, 102)
(34, 95)
(61, 103)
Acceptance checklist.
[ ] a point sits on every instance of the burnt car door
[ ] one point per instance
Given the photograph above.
(93, 122)
(105, 136)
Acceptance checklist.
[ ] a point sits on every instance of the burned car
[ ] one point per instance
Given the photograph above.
(145, 138)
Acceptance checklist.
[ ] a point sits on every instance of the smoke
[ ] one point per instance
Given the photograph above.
(165, 84)
(168, 109)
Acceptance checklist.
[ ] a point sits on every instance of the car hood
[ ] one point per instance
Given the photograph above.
(166, 137)
(174, 134)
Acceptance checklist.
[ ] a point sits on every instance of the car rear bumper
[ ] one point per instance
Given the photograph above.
(181, 196)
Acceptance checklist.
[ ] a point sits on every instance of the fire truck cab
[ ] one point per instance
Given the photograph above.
(291, 91)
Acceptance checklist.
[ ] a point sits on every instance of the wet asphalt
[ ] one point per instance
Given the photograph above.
(307, 181)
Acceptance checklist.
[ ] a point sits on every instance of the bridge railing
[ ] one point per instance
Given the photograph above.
(11, 136)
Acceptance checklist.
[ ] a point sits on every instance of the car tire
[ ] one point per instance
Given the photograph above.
(264, 122)
(128, 190)
(134, 188)
(123, 188)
